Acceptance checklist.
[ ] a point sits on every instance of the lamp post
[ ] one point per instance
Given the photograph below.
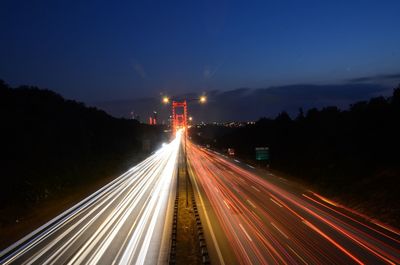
(183, 103)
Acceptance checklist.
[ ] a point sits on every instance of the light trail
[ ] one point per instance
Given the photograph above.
(271, 221)
(122, 223)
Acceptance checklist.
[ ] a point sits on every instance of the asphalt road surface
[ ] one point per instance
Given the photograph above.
(125, 222)
(253, 218)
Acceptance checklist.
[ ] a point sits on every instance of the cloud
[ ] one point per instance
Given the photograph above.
(209, 73)
(375, 78)
(251, 104)
(140, 70)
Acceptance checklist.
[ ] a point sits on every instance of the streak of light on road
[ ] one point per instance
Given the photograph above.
(269, 221)
(122, 223)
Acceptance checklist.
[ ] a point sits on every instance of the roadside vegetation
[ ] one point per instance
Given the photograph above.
(52, 147)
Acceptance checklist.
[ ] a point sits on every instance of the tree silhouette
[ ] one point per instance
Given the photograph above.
(50, 145)
(352, 153)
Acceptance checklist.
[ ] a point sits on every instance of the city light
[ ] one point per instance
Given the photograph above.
(165, 100)
(203, 99)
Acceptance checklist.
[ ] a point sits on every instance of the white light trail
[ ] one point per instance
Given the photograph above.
(115, 225)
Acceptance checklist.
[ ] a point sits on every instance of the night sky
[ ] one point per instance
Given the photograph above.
(109, 53)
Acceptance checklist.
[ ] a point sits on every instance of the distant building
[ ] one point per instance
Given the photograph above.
(153, 118)
(134, 116)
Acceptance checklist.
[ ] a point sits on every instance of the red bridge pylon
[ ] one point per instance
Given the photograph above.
(179, 120)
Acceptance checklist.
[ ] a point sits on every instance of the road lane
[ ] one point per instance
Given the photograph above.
(269, 220)
(122, 223)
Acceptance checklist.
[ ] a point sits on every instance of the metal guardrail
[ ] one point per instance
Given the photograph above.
(200, 233)
(172, 254)
(205, 259)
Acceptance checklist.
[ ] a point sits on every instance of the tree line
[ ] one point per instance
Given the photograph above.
(50, 144)
(352, 154)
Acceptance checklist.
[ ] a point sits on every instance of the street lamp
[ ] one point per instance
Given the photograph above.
(165, 100)
(203, 99)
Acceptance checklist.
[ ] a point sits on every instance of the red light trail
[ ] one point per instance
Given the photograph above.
(271, 220)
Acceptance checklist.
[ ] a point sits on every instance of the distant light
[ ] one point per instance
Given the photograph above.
(165, 100)
(203, 99)
(190, 118)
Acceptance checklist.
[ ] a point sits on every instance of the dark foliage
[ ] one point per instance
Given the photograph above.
(49, 144)
(352, 154)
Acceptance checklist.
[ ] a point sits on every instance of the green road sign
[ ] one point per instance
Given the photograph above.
(262, 153)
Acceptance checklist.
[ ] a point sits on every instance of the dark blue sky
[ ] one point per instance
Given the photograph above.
(110, 50)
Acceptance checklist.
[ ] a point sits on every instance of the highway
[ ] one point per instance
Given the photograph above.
(252, 217)
(127, 221)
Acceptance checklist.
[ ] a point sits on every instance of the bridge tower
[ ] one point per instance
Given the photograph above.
(179, 115)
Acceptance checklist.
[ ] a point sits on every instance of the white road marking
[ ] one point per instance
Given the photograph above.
(276, 202)
(227, 206)
(245, 232)
(297, 254)
(252, 204)
(280, 231)
(221, 259)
